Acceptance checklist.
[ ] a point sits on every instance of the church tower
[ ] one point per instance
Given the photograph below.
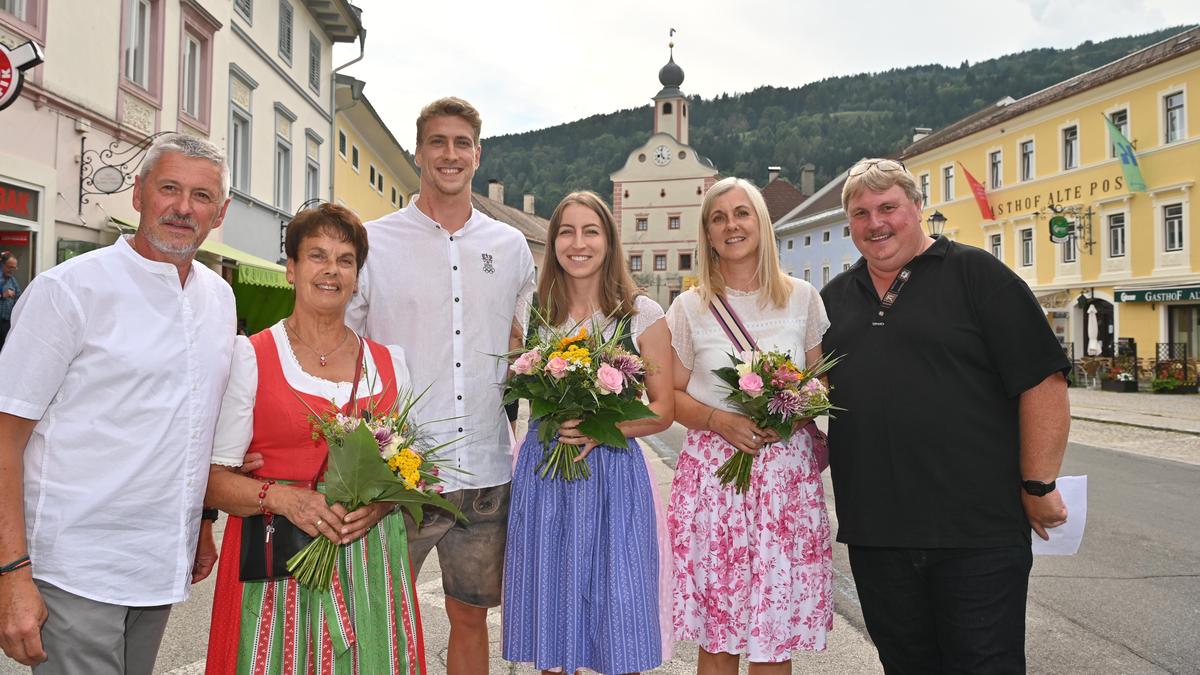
(670, 106)
(657, 196)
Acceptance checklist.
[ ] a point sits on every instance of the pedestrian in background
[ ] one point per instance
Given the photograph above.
(954, 426)
(113, 377)
(452, 286)
(753, 570)
(10, 291)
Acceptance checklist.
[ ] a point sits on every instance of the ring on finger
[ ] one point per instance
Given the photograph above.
(320, 522)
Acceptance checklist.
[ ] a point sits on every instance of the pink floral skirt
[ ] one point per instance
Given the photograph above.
(752, 572)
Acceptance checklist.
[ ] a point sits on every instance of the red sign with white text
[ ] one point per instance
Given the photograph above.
(13, 63)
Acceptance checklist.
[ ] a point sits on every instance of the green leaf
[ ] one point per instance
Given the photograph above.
(539, 408)
(603, 428)
(356, 474)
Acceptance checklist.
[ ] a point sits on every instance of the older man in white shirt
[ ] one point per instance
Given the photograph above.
(452, 287)
(113, 375)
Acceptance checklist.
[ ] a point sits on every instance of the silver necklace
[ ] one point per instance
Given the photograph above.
(323, 357)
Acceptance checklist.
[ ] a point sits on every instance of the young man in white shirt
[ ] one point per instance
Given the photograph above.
(452, 287)
(114, 371)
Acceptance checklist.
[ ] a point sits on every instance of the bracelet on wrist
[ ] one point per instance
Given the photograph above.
(19, 563)
(262, 497)
(209, 514)
(708, 422)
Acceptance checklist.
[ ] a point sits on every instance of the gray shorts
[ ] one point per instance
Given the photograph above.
(85, 636)
(471, 554)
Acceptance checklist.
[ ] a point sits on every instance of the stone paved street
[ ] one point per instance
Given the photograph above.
(1067, 626)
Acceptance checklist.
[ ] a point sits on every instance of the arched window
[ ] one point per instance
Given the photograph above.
(666, 108)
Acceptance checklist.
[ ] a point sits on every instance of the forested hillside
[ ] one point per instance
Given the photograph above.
(830, 123)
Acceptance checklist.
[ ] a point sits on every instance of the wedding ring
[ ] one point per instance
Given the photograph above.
(754, 437)
(319, 522)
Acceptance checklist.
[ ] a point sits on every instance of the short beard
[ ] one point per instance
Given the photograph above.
(170, 249)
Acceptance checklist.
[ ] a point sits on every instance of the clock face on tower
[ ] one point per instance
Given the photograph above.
(662, 155)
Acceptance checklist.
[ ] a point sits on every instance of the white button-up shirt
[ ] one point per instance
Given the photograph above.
(449, 300)
(123, 369)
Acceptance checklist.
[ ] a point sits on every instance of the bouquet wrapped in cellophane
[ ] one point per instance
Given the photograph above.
(376, 456)
(578, 376)
(775, 394)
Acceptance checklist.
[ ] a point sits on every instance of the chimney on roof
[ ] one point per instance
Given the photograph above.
(808, 179)
(920, 132)
(773, 173)
(496, 190)
(527, 207)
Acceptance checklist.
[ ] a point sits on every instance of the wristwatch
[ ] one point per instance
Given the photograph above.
(209, 514)
(1037, 488)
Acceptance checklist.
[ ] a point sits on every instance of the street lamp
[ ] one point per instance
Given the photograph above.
(936, 223)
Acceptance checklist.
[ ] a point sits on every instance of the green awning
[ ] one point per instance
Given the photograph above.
(251, 269)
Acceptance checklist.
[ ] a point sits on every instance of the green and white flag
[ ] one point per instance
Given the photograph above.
(1129, 163)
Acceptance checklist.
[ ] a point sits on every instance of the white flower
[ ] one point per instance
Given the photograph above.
(392, 447)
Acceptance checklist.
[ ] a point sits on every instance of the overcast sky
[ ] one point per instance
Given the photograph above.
(537, 63)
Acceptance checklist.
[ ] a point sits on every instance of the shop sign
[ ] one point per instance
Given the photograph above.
(1185, 294)
(13, 63)
(14, 238)
(1060, 194)
(19, 202)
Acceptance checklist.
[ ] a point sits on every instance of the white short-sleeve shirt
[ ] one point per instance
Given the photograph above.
(235, 426)
(124, 370)
(702, 345)
(449, 300)
(648, 312)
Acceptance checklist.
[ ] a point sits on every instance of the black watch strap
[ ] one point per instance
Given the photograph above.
(209, 514)
(1037, 488)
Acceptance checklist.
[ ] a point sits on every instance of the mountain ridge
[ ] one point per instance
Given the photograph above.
(829, 122)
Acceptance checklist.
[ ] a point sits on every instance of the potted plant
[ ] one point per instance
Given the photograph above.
(1118, 380)
(1172, 385)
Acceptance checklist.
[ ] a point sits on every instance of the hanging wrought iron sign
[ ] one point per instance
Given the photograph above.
(13, 64)
(111, 169)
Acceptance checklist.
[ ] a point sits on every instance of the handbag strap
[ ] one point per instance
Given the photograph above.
(729, 322)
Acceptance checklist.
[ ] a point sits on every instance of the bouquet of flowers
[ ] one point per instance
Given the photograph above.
(768, 388)
(580, 376)
(373, 457)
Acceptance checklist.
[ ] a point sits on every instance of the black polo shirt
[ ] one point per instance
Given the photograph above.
(927, 453)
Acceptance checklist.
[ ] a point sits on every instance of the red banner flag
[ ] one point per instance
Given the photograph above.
(985, 209)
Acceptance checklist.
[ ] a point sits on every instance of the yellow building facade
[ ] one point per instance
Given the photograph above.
(1132, 256)
(372, 175)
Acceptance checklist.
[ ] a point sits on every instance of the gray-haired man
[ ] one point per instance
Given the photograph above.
(116, 364)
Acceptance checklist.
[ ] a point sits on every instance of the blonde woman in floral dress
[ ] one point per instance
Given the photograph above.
(753, 573)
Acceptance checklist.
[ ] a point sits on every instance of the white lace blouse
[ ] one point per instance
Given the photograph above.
(235, 425)
(648, 312)
(702, 345)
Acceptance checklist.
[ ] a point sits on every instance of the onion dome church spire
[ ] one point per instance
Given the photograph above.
(670, 104)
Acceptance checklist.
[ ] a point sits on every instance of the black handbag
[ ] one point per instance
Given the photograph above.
(269, 540)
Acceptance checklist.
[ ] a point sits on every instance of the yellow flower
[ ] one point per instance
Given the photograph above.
(407, 465)
(562, 344)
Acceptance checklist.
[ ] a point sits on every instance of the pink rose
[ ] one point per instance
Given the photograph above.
(609, 379)
(557, 367)
(813, 386)
(751, 383)
(527, 362)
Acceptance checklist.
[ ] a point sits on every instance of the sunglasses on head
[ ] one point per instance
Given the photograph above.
(884, 165)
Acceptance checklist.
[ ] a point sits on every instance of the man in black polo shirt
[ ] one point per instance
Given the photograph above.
(955, 426)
